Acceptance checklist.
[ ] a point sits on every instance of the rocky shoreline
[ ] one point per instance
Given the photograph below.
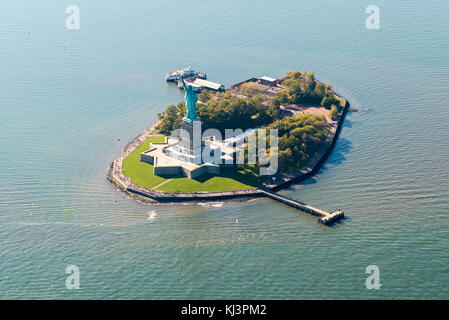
(116, 176)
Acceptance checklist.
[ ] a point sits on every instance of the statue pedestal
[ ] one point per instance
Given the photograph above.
(190, 145)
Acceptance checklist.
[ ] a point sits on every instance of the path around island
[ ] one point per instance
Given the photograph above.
(116, 176)
(161, 184)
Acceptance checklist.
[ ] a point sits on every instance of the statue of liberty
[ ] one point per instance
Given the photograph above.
(190, 99)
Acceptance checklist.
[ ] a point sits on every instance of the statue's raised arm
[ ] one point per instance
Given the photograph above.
(182, 80)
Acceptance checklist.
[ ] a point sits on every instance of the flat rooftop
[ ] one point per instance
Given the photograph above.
(208, 84)
(270, 79)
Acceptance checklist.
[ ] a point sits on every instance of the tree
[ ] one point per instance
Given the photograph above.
(302, 88)
(320, 89)
(226, 113)
(299, 138)
(170, 118)
(294, 74)
(333, 113)
(205, 96)
(329, 100)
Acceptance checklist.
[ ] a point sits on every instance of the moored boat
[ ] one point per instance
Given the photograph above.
(175, 76)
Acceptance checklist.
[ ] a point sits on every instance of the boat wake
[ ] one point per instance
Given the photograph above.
(214, 204)
(151, 215)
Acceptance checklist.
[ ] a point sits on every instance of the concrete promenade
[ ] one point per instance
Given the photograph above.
(116, 176)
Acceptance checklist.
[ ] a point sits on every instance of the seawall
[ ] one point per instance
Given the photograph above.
(315, 164)
(116, 176)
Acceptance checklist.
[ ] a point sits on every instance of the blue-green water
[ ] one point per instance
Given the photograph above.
(70, 100)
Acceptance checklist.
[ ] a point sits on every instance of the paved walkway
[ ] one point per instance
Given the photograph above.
(160, 184)
(323, 216)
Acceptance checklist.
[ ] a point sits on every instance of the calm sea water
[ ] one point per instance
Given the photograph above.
(71, 100)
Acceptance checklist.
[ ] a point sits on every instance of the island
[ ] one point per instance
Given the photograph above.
(162, 166)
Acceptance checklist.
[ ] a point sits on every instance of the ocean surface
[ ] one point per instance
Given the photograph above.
(70, 100)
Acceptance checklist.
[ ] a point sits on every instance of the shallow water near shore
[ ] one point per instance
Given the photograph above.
(71, 100)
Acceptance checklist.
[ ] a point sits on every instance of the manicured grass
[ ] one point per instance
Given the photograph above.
(228, 180)
(141, 174)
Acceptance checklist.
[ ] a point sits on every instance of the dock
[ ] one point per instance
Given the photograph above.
(324, 217)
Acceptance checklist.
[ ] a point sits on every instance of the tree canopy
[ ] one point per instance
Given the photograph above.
(333, 113)
(303, 88)
(299, 138)
(222, 112)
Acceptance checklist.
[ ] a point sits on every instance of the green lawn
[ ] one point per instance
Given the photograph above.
(141, 174)
(229, 179)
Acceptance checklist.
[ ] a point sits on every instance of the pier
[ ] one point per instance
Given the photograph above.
(324, 217)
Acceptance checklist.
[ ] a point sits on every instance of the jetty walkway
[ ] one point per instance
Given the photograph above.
(323, 216)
